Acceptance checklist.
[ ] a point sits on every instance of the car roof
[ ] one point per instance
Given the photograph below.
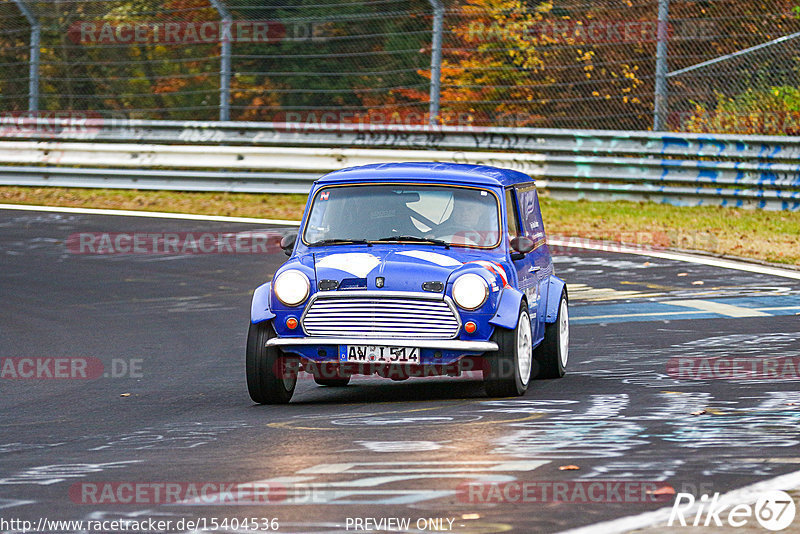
(456, 173)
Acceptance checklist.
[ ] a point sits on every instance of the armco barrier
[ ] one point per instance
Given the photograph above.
(686, 169)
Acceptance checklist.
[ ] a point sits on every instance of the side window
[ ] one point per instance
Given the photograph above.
(531, 215)
(511, 214)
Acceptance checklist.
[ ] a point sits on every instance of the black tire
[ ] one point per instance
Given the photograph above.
(504, 373)
(331, 375)
(271, 378)
(550, 357)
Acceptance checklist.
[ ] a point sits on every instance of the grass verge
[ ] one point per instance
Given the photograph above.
(772, 236)
(228, 204)
(762, 235)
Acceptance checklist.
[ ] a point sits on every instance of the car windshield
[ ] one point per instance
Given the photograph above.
(402, 213)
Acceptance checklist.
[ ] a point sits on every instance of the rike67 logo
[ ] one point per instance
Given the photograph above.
(774, 510)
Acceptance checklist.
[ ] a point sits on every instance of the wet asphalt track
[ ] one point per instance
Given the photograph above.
(375, 449)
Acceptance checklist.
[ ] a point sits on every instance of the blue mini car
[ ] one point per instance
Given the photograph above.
(412, 269)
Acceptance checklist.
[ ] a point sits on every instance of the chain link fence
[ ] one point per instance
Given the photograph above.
(730, 65)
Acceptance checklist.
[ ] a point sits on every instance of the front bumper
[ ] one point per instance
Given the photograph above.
(432, 351)
(444, 344)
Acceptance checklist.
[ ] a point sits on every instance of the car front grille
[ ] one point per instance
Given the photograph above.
(380, 316)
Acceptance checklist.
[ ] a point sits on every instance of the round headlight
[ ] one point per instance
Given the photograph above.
(470, 291)
(291, 287)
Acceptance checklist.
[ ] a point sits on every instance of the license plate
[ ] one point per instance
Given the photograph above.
(377, 354)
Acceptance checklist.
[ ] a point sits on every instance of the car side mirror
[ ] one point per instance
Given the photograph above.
(287, 243)
(520, 245)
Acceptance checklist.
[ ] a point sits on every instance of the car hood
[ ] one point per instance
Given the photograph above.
(401, 270)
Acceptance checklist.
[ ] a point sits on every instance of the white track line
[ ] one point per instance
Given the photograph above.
(678, 256)
(152, 214)
(688, 258)
(716, 307)
(658, 518)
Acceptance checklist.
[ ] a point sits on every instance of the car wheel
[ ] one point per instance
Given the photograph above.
(551, 355)
(507, 372)
(271, 377)
(331, 375)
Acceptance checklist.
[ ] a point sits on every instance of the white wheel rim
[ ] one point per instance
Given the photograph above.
(563, 333)
(288, 383)
(289, 375)
(524, 352)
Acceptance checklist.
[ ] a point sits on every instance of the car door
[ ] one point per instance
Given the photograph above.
(538, 261)
(525, 267)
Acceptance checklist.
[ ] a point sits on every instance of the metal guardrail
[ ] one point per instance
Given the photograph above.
(231, 182)
(755, 171)
(624, 143)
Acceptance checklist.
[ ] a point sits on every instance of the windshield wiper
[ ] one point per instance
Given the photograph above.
(416, 239)
(323, 242)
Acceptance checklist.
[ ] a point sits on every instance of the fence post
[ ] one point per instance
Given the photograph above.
(33, 60)
(661, 105)
(436, 60)
(225, 60)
